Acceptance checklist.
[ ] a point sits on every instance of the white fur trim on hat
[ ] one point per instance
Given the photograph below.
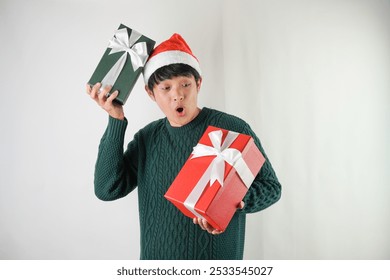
(166, 58)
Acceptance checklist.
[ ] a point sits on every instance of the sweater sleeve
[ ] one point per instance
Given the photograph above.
(266, 189)
(115, 172)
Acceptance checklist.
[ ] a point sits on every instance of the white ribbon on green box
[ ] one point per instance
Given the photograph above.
(122, 42)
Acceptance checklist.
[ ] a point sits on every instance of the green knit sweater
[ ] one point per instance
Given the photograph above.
(151, 161)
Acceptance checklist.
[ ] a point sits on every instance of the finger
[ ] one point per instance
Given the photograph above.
(88, 89)
(112, 96)
(103, 94)
(195, 220)
(241, 205)
(103, 91)
(216, 232)
(108, 104)
(96, 88)
(95, 91)
(200, 223)
(207, 226)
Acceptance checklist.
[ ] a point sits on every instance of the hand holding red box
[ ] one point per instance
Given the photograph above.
(216, 177)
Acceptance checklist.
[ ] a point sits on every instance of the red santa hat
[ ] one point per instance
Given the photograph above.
(174, 50)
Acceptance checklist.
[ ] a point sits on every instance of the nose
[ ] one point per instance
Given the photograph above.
(178, 95)
(178, 98)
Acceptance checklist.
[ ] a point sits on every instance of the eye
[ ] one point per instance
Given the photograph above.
(165, 88)
(186, 84)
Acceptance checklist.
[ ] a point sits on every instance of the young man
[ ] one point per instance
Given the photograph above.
(158, 151)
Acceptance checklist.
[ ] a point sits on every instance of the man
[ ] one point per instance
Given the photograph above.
(158, 151)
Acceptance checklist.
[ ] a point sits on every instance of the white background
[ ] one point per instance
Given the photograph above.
(310, 77)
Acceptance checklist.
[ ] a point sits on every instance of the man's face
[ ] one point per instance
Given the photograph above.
(177, 98)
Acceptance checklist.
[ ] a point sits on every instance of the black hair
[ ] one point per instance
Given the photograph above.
(170, 71)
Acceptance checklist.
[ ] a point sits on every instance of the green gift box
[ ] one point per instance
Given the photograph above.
(123, 61)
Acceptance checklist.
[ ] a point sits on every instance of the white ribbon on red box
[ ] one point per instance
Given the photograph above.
(216, 170)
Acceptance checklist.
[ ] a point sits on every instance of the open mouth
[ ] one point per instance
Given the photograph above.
(179, 109)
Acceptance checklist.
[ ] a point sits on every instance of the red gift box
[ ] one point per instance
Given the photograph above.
(216, 176)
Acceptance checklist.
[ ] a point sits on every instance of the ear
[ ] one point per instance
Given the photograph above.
(199, 83)
(150, 93)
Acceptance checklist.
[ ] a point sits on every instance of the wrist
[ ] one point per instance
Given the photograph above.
(116, 128)
(121, 118)
(117, 115)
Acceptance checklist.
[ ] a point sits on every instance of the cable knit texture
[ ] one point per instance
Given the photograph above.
(151, 162)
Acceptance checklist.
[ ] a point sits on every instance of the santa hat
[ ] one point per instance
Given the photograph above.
(174, 50)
